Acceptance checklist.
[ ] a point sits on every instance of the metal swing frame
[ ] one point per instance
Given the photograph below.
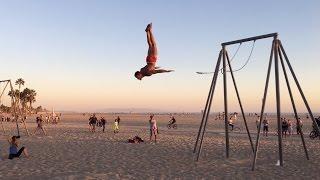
(277, 54)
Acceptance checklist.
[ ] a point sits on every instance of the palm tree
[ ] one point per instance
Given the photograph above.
(20, 82)
(32, 97)
(14, 94)
(28, 96)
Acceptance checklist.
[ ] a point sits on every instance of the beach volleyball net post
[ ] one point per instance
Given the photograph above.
(277, 54)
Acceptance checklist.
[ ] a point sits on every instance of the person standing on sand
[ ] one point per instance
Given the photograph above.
(151, 59)
(103, 123)
(258, 122)
(90, 123)
(284, 126)
(299, 126)
(115, 127)
(94, 122)
(290, 128)
(118, 120)
(39, 122)
(265, 126)
(232, 120)
(153, 128)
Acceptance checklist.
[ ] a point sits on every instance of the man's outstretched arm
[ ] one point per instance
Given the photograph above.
(162, 71)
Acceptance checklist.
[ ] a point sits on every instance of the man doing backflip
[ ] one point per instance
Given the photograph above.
(151, 59)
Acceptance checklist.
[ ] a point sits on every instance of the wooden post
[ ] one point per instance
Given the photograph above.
(240, 104)
(204, 115)
(225, 94)
(263, 106)
(293, 103)
(215, 77)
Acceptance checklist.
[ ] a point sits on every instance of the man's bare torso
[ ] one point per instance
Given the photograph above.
(148, 70)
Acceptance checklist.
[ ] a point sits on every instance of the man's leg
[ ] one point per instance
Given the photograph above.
(152, 51)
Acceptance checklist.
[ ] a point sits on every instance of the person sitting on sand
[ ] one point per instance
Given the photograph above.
(13, 150)
(153, 128)
(151, 59)
(39, 122)
(135, 140)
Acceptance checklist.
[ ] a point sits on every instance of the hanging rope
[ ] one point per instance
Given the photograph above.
(234, 55)
(246, 63)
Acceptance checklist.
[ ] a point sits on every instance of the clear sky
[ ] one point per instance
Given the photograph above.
(81, 55)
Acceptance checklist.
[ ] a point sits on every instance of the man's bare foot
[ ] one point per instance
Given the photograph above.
(149, 26)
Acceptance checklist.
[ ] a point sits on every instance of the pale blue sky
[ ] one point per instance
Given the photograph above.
(81, 55)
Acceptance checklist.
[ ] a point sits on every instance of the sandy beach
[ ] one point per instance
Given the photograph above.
(70, 151)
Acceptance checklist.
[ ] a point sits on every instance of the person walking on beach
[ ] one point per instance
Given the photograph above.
(13, 150)
(153, 128)
(232, 120)
(151, 59)
(290, 127)
(94, 121)
(284, 126)
(115, 127)
(103, 123)
(299, 126)
(258, 122)
(90, 123)
(39, 122)
(265, 126)
(118, 120)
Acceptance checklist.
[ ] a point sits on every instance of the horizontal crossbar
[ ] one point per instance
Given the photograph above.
(4, 80)
(250, 39)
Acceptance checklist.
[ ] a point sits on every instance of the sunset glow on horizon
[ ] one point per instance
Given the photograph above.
(81, 55)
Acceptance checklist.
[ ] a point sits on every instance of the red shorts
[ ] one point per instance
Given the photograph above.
(151, 59)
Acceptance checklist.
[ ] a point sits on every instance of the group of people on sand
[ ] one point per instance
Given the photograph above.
(286, 126)
(95, 122)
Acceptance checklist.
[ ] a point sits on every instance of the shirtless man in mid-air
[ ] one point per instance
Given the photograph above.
(151, 59)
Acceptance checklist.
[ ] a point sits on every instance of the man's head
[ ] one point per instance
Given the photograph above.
(138, 75)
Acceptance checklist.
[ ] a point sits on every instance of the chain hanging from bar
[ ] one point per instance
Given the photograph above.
(246, 63)
(234, 55)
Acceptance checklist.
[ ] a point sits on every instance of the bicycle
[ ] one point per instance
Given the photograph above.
(313, 134)
(174, 126)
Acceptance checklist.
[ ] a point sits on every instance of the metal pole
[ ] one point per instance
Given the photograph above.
(263, 106)
(276, 66)
(225, 93)
(14, 108)
(3, 91)
(215, 76)
(206, 107)
(293, 103)
(299, 87)
(239, 100)
(250, 39)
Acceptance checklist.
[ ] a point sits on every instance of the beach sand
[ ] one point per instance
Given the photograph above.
(70, 151)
